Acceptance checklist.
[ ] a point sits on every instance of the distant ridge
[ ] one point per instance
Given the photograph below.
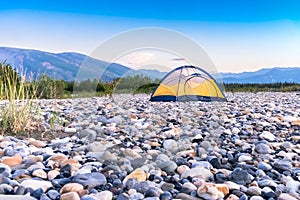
(66, 66)
(265, 75)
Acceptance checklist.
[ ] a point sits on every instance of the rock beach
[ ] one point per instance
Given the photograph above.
(130, 148)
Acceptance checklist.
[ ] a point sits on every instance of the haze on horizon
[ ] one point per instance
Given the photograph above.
(237, 35)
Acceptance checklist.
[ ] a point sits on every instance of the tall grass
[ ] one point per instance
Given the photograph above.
(17, 105)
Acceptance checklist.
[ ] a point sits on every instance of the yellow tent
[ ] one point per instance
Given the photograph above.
(188, 83)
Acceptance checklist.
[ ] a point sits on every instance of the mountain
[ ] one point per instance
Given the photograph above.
(152, 73)
(71, 66)
(68, 66)
(265, 75)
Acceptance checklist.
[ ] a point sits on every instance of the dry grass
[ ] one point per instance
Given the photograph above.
(17, 106)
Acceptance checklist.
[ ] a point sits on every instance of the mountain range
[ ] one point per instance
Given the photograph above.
(70, 66)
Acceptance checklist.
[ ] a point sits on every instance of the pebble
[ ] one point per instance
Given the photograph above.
(240, 176)
(70, 196)
(71, 187)
(197, 172)
(36, 184)
(104, 195)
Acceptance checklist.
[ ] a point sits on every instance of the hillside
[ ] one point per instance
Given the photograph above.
(266, 75)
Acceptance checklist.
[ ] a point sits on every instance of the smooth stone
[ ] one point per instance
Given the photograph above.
(285, 196)
(167, 166)
(96, 147)
(266, 182)
(90, 180)
(4, 179)
(138, 174)
(20, 190)
(264, 166)
(287, 145)
(182, 168)
(53, 194)
(40, 173)
(190, 186)
(123, 196)
(151, 198)
(38, 165)
(71, 187)
(197, 172)
(168, 186)
(284, 165)
(244, 158)
(88, 197)
(162, 157)
(254, 191)
(70, 130)
(109, 156)
(6, 188)
(5, 170)
(12, 161)
(37, 193)
(186, 197)
(262, 148)
(70, 196)
(266, 135)
(37, 143)
(235, 130)
(152, 192)
(131, 153)
(52, 174)
(44, 197)
(292, 186)
(166, 196)
(240, 176)
(16, 197)
(170, 145)
(36, 184)
(256, 198)
(104, 195)
(9, 151)
(204, 164)
(232, 197)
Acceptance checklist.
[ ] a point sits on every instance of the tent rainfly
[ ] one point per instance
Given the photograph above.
(188, 83)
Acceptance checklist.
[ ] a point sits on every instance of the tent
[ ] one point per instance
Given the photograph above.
(188, 83)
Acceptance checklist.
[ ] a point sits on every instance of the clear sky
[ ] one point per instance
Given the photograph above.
(241, 35)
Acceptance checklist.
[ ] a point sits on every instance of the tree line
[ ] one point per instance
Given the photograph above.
(45, 87)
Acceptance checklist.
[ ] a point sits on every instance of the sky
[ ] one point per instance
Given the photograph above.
(237, 36)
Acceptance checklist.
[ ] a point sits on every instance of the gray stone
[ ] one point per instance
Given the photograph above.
(262, 148)
(167, 166)
(264, 166)
(170, 145)
(240, 176)
(90, 180)
(96, 147)
(254, 191)
(284, 165)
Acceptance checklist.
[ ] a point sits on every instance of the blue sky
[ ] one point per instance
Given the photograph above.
(238, 35)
